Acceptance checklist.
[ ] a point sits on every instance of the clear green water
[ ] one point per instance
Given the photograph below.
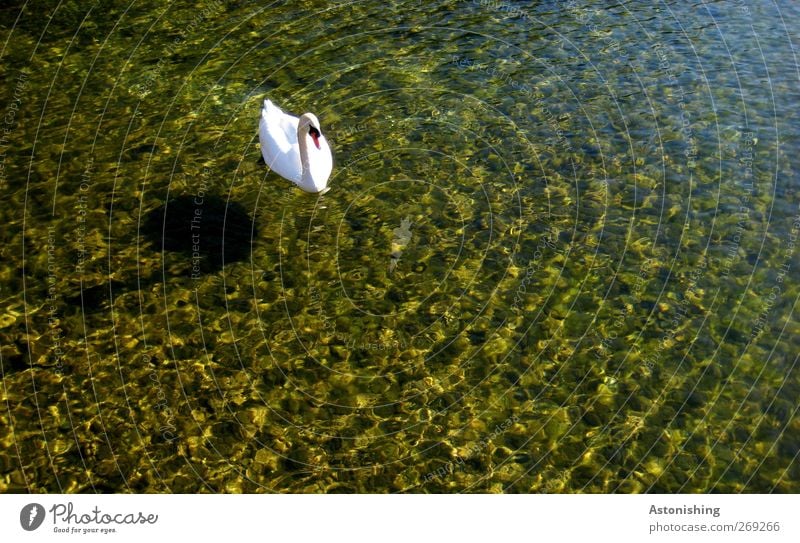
(559, 253)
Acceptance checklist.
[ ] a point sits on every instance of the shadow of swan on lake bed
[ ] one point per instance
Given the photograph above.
(204, 234)
(210, 231)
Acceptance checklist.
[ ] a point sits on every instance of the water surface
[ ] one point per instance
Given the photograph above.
(559, 253)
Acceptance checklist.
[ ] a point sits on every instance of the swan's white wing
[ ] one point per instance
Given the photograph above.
(277, 133)
(281, 123)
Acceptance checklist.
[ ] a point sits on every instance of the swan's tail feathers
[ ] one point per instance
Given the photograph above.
(270, 108)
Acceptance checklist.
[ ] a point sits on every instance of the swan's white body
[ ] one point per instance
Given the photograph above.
(295, 148)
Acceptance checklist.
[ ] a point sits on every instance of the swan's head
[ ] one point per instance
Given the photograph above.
(309, 124)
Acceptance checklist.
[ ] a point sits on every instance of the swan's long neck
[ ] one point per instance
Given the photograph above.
(305, 162)
(301, 140)
(307, 123)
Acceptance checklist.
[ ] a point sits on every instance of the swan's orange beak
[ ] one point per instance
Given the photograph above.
(314, 133)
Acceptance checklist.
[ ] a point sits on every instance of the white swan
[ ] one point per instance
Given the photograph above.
(285, 146)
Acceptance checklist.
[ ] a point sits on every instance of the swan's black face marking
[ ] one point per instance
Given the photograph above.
(314, 133)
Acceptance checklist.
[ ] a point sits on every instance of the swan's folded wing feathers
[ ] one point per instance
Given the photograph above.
(281, 128)
(278, 138)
